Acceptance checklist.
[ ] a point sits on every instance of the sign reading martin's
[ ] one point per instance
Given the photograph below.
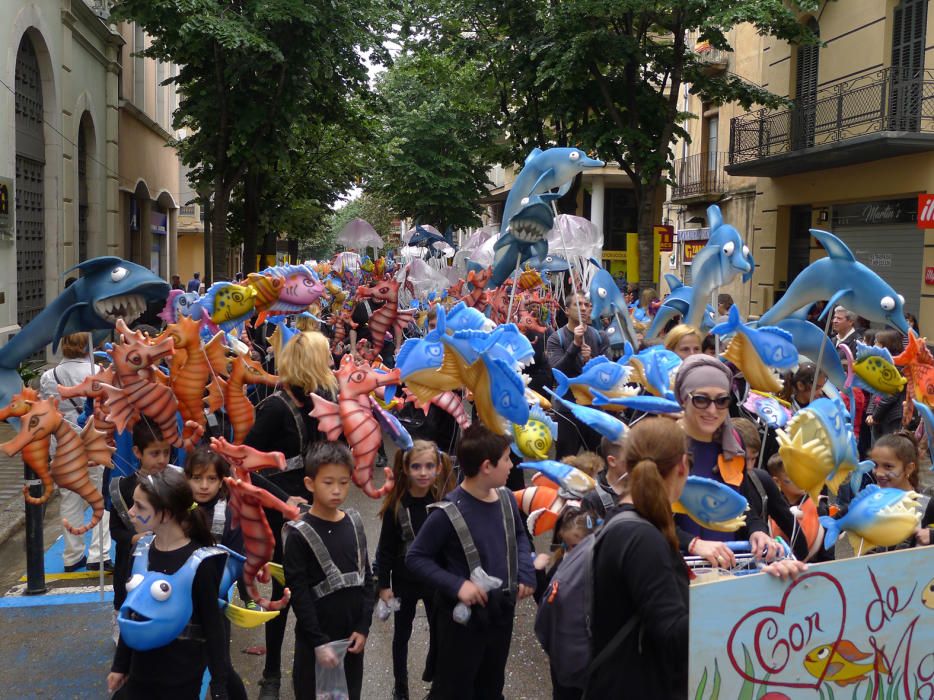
(7, 208)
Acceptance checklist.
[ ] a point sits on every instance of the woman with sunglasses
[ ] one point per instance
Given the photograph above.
(703, 385)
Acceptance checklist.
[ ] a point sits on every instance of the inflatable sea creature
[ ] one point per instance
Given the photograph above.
(609, 427)
(642, 402)
(677, 303)
(772, 412)
(719, 262)
(542, 505)
(138, 392)
(534, 439)
(818, 446)
(388, 317)
(268, 289)
(35, 453)
(244, 371)
(352, 417)
(918, 365)
(108, 288)
(844, 664)
(229, 305)
(808, 339)
(299, 288)
(477, 298)
(609, 378)
(447, 401)
(841, 279)
(391, 426)
(877, 517)
(548, 264)
(74, 452)
(875, 371)
(527, 214)
(181, 304)
(927, 417)
(570, 479)
(654, 368)
(712, 505)
(774, 346)
(92, 387)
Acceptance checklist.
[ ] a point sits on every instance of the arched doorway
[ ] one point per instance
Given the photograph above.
(30, 185)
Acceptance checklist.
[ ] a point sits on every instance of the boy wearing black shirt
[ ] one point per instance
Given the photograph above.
(328, 572)
(471, 658)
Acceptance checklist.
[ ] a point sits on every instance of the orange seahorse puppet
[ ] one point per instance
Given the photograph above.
(74, 452)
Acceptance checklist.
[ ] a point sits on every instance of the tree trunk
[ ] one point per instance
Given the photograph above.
(219, 237)
(206, 208)
(646, 223)
(268, 249)
(251, 187)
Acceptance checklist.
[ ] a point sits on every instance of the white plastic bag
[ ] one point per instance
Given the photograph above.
(384, 609)
(482, 580)
(331, 681)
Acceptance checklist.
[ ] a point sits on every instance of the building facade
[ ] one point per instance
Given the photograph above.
(854, 155)
(149, 170)
(59, 67)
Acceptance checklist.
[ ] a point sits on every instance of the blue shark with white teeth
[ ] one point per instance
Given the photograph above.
(523, 236)
(109, 288)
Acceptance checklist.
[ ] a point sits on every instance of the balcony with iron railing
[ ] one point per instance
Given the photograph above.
(714, 60)
(878, 114)
(699, 177)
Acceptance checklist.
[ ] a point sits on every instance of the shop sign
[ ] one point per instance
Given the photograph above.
(618, 255)
(666, 238)
(692, 248)
(926, 211)
(929, 275)
(880, 213)
(159, 223)
(6, 209)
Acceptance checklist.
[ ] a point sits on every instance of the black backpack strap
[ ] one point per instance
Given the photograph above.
(408, 532)
(118, 502)
(623, 633)
(506, 500)
(297, 462)
(334, 579)
(462, 531)
(77, 406)
(760, 489)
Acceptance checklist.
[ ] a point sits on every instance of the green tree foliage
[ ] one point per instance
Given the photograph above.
(439, 137)
(604, 75)
(248, 69)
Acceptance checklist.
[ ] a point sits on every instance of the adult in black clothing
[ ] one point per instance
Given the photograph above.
(568, 349)
(639, 573)
(163, 504)
(362, 311)
(283, 424)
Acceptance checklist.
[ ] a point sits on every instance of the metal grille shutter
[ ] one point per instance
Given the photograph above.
(804, 114)
(30, 186)
(895, 253)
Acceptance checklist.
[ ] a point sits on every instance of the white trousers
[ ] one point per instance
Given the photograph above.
(72, 508)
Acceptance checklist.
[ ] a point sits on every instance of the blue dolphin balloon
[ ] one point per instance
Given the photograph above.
(843, 280)
(719, 262)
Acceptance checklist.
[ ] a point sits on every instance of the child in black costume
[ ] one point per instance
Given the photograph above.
(423, 476)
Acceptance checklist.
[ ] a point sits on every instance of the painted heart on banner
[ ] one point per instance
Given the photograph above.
(777, 638)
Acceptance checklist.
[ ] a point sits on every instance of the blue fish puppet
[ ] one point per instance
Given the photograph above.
(569, 479)
(877, 517)
(654, 370)
(712, 505)
(643, 402)
(609, 427)
(718, 263)
(757, 350)
(599, 373)
(548, 264)
(772, 412)
(391, 426)
(607, 300)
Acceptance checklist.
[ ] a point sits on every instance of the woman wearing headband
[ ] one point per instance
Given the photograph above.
(703, 387)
